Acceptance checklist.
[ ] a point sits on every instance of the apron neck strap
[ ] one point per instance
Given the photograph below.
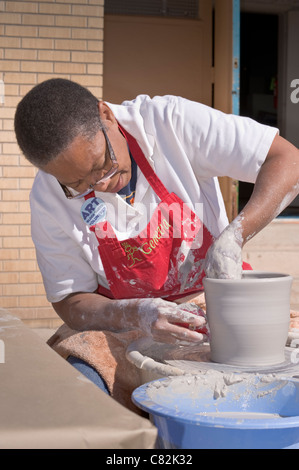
(144, 165)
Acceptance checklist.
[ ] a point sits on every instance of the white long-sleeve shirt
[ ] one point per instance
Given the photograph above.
(188, 144)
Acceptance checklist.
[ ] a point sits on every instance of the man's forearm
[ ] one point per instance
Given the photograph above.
(152, 316)
(276, 186)
(90, 311)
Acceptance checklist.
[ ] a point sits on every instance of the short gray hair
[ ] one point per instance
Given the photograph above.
(51, 115)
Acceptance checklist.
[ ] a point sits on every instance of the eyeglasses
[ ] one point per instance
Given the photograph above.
(73, 194)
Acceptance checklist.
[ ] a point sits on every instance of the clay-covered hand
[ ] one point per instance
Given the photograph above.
(168, 322)
(224, 257)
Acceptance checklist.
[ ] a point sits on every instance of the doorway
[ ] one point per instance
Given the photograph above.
(259, 51)
(258, 75)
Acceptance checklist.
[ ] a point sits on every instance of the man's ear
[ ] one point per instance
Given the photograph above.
(106, 114)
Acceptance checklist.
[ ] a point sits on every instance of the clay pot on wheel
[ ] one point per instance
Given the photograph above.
(249, 318)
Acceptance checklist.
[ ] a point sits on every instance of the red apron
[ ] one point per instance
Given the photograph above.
(166, 259)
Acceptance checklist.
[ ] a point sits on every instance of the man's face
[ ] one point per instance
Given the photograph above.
(85, 162)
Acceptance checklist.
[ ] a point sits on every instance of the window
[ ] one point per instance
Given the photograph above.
(164, 8)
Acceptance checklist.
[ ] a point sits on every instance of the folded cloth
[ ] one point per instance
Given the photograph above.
(106, 353)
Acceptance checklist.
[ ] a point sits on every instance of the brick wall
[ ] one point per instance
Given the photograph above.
(39, 39)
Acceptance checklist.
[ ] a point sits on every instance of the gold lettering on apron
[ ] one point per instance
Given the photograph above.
(130, 250)
(148, 246)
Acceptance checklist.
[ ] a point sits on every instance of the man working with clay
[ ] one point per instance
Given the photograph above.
(128, 217)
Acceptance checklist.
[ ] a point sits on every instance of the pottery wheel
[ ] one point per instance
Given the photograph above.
(196, 359)
(286, 367)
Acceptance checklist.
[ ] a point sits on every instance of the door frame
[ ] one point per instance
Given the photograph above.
(227, 80)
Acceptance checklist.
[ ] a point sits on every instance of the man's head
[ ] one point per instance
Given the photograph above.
(51, 115)
(63, 129)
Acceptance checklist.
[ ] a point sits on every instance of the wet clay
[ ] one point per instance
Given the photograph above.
(224, 258)
(249, 318)
(217, 385)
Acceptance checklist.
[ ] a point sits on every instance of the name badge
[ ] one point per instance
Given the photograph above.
(93, 211)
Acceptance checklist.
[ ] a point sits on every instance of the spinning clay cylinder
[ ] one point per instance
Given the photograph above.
(249, 318)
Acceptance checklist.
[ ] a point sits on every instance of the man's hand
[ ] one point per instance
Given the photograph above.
(294, 323)
(167, 322)
(224, 257)
(154, 317)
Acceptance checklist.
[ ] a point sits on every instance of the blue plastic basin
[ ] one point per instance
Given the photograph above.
(189, 413)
